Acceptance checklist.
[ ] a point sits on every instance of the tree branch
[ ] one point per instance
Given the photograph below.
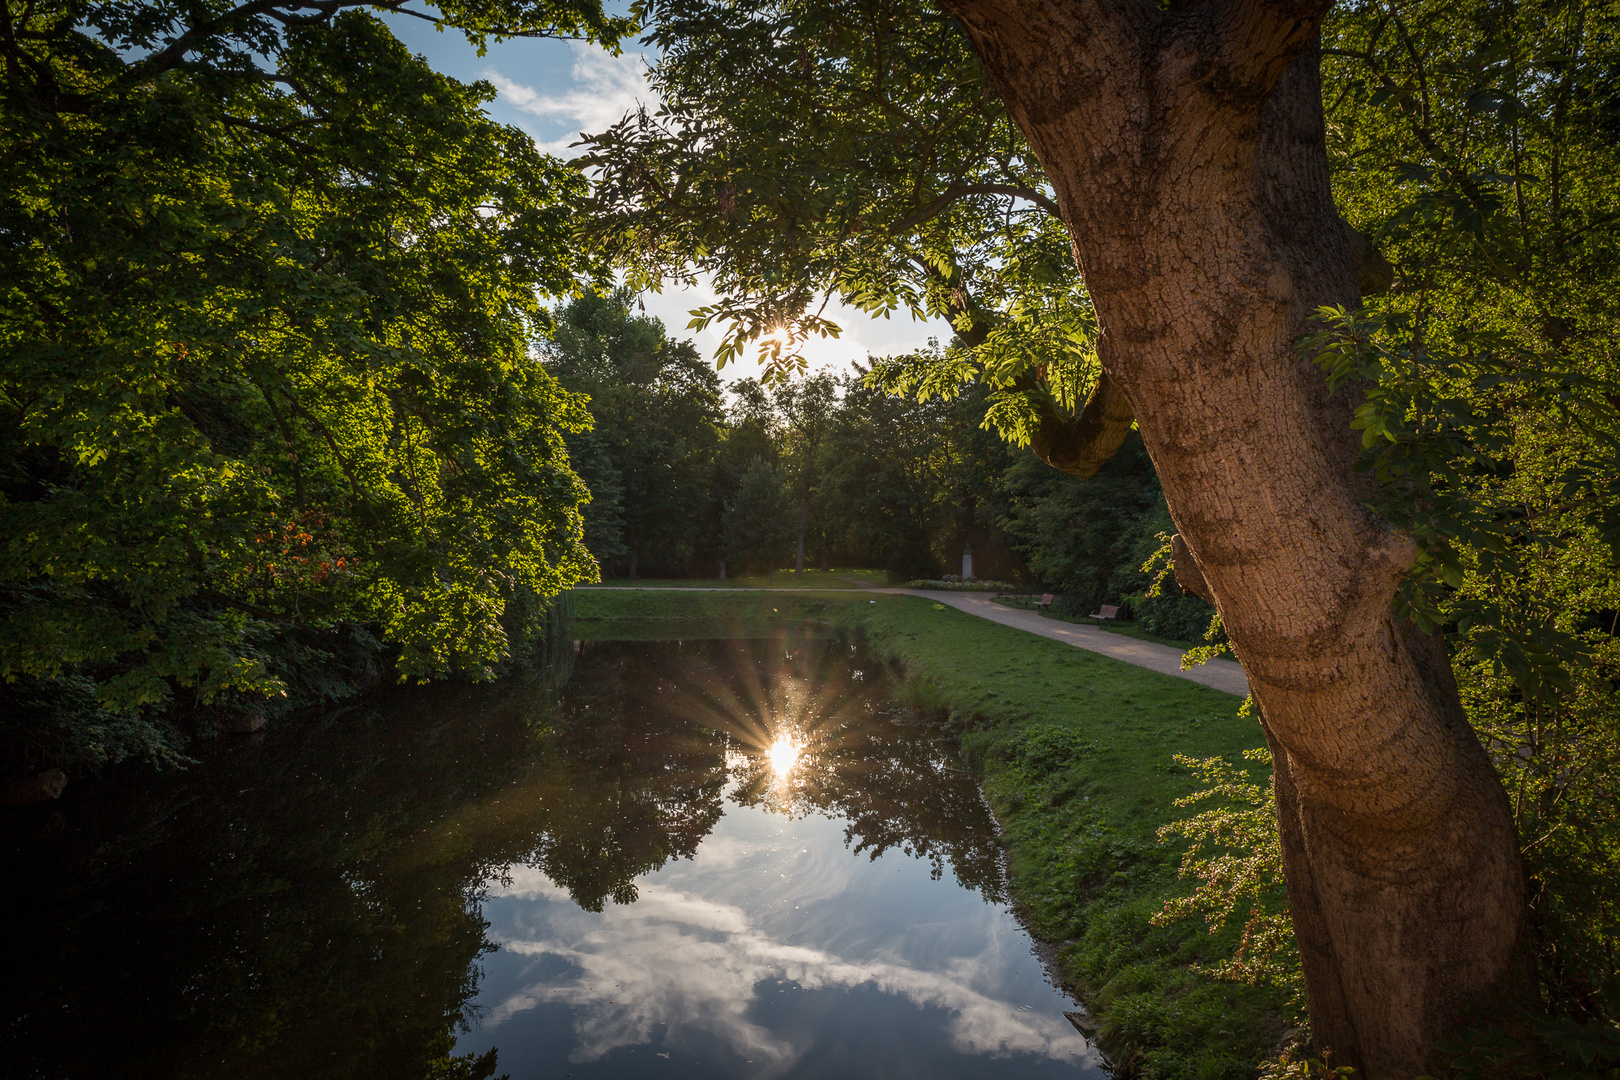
(244, 607)
(266, 130)
(966, 191)
(174, 52)
(1082, 444)
(283, 11)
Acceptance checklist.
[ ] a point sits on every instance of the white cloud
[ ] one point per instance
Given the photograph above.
(600, 90)
(603, 89)
(862, 334)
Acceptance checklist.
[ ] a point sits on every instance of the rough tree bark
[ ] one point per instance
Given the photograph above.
(1186, 149)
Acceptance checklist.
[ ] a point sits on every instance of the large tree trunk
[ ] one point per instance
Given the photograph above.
(1186, 149)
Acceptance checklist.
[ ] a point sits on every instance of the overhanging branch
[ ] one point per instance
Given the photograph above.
(1082, 444)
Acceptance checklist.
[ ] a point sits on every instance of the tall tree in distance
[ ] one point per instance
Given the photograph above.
(807, 407)
(757, 526)
(656, 410)
(888, 464)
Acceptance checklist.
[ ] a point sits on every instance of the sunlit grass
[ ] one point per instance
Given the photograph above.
(779, 579)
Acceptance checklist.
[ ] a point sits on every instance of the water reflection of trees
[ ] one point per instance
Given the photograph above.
(257, 916)
(647, 741)
(621, 786)
(865, 759)
(310, 904)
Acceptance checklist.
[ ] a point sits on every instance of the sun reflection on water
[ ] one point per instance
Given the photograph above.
(783, 754)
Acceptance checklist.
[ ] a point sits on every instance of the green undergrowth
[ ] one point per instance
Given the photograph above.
(1123, 629)
(1074, 752)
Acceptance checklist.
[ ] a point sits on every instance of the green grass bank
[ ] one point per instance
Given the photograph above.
(1074, 753)
(777, 579)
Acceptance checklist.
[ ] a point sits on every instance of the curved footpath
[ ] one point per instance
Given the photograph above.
(1226, 675)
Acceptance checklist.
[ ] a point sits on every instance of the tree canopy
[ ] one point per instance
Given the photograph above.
(655, 405)
(266, 306)
(802, 151)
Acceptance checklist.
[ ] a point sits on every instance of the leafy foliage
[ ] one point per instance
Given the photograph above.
(1476, 141)
(1236, 856)
(266, 306)
(1559, 1049)
(1440, 442)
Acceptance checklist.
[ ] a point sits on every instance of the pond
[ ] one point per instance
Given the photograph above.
(705, 858)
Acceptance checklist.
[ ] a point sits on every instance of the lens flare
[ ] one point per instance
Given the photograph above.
(782, 754)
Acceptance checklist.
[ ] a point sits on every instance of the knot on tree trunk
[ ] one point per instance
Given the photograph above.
(1374, 274)
(1388, 557)
(1185, 567)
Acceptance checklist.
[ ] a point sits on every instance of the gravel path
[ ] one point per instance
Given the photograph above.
(1225, 675)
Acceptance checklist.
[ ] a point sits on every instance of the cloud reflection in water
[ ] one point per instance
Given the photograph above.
(743, 850)
(680, 961)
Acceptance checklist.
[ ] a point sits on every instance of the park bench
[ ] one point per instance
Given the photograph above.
(1044, 602)
(1108, 611)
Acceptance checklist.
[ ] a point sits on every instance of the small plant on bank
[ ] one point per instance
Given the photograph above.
(952, 583)
(1177, 616)
(1291, 1065)
(1236, 856)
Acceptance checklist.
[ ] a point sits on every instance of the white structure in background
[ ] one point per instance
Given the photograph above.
(967, 562)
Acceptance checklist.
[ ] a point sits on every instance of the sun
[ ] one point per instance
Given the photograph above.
(782, 754)
(778, 337)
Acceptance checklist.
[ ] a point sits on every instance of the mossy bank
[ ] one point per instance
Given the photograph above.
(1075, 754)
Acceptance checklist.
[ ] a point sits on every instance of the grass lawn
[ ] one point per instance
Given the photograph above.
(780, 579)
(1074, 752)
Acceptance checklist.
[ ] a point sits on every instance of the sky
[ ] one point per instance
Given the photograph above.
(554, 90)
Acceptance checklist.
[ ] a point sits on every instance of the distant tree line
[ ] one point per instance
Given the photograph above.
(823, 470)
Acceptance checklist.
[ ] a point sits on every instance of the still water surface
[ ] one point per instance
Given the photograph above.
(700, 859)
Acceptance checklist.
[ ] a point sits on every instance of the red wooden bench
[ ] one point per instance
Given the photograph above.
(1044, 602)
(1108, 611)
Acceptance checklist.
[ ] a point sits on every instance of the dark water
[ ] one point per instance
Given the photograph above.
(710, 859)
